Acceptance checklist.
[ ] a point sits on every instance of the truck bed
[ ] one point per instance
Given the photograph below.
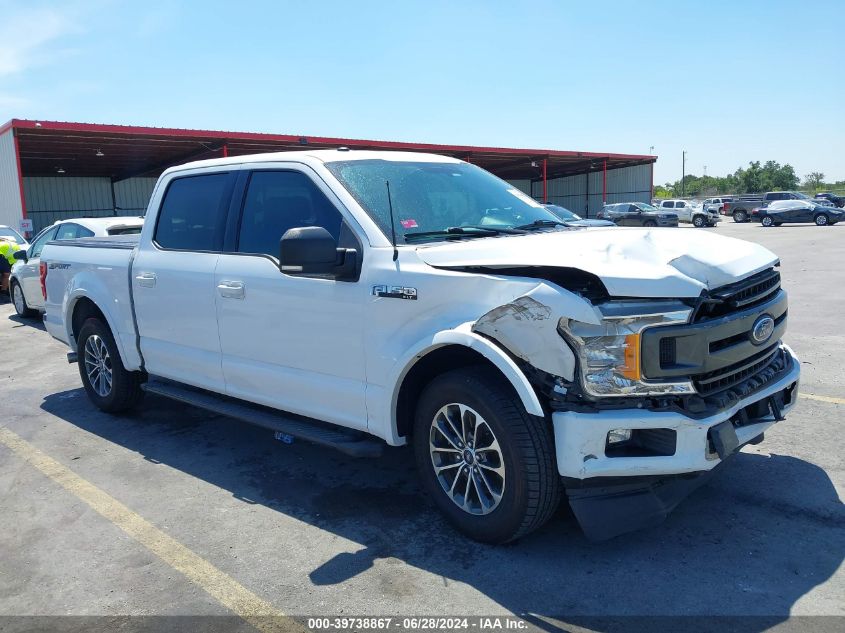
(97, 268)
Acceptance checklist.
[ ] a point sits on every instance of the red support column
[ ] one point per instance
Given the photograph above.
(651, 193)
(604, 183)
(225, 150)
(20, 175)
(545, 189)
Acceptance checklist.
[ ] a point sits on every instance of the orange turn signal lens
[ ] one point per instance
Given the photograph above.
(631, 368)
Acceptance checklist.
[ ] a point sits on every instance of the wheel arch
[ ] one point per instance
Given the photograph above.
(447, 350)
(80, 308)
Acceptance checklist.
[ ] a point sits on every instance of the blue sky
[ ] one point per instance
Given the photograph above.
(727, 81)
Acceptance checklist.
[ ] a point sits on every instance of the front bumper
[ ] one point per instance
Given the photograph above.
(581, 438)
(614, 495)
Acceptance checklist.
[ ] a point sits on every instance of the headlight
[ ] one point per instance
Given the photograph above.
(609, 353)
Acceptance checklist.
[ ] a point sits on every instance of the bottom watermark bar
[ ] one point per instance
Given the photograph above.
(364, 624)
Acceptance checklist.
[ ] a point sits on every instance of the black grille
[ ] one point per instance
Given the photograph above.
(740, 296)
(727, 377)
(668, 352)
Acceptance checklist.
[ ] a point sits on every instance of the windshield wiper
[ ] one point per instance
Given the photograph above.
(466, 231)
(539, 224)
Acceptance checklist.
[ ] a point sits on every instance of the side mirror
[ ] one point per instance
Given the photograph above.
(311, 250)
(20, 256)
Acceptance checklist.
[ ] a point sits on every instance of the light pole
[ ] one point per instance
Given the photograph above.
(651, 150)
(683, 173)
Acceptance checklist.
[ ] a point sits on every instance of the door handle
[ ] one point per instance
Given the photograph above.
(231, 289)
(147, 280)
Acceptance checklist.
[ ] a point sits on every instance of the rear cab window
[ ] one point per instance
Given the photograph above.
(193, 213)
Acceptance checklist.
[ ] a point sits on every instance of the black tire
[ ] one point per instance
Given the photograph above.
(531, 486)
(767, 221)
(699, 222)
(125, 389)
(740, 216)
(21, 308)
(649, 223)
(821, 219)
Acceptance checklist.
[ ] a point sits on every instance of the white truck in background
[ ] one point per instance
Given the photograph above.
(363, 299)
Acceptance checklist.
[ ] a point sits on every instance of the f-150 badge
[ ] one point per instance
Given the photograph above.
(395, 292)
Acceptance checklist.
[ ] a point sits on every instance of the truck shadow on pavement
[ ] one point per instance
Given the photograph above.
(759, 536)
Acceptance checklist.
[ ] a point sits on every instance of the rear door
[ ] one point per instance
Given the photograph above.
(290, 342)
(173, 279)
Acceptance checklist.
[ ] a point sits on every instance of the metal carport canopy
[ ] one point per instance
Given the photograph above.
(123, 151)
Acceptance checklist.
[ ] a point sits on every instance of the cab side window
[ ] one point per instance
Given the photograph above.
(67, 231)
(277, 201)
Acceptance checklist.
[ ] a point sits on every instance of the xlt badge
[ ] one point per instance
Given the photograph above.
(395, 292)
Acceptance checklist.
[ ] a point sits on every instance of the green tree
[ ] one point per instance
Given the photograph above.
(814, 180)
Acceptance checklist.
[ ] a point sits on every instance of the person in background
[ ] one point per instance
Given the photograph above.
(8, 248)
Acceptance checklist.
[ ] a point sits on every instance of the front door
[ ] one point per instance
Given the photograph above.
(173, 281)
(290, 342)
(28, 274)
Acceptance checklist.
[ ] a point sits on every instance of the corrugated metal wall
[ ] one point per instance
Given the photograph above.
(51, 198)
(10, 190)
(582, 194)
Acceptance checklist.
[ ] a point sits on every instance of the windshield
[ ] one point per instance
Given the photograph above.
(802, 196)
(564, 214)
(433, 197)
(12, 234)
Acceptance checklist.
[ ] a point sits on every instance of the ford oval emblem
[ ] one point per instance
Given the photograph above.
(762, 329)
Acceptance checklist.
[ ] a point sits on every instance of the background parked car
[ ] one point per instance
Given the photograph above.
(25, 281)
(637, 214)
(741, 206)
(716, 204)
(689, 212)
(8, 231)
(572, 219)
(784, 211)
(838, 201)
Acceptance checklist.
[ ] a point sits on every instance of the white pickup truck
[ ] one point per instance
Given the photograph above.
(362, 299)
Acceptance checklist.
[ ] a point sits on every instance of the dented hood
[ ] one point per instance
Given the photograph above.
(663, 262)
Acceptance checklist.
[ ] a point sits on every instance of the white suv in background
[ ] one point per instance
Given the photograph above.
(691, 213)
(25, 283)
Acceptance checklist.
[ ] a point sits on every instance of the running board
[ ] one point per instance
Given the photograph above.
(350, 442)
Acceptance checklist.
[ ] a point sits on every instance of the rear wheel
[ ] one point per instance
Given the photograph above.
(19, 301)
(821, 220)
(740, 216)
(767, 221)
(108, 384)
(487, 464)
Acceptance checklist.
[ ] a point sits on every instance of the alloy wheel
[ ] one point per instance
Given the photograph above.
(467, 459)
(98, 365)
(17, 299)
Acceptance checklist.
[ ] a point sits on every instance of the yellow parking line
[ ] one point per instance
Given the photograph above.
(225, 589)
(812, 396)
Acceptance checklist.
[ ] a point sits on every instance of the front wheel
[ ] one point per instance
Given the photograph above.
(698, 222)
(821, 220)
(108, 384)
(649, 223)
(740, 216)
(19, 301)
(487, 464)
(767, 221)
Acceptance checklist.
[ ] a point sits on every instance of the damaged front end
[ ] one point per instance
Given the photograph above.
(648, 397)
